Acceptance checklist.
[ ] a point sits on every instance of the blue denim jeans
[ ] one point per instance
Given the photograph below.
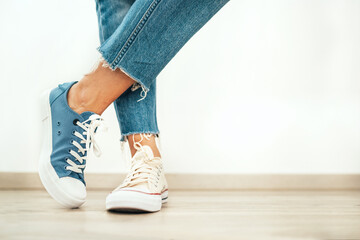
(140, 37)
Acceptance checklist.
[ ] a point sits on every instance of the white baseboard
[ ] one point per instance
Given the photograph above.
(95, 181)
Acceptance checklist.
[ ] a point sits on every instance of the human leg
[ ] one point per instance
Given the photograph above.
(141, 46)
(70, 115)
(149, 36)
(135, 118)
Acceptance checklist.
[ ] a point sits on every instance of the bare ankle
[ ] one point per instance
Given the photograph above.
(76, 98)
(83, 97)
(143, 139)
(98, 89)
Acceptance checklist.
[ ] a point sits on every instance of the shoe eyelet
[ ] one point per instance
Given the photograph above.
(58, 133)
(58, 123)
(69, 150)
(75, 121)
(71, 141)
(73, 132)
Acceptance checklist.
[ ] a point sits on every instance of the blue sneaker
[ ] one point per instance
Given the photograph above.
(68, 137)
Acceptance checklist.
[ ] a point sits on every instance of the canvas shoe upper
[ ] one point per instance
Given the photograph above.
(144, 188)
(68, 137)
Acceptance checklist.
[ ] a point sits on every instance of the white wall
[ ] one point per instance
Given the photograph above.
(265, 87)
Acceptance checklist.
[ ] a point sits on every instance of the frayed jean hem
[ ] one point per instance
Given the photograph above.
(125, 135)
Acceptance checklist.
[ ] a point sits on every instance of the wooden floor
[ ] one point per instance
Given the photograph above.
(188, 215)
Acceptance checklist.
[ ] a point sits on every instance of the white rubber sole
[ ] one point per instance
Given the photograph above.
(134, 201)
(48, 176)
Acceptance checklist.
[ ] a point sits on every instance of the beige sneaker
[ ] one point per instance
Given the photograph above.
(144, 188)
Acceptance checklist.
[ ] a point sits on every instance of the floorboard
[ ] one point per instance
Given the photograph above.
(188, 215)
